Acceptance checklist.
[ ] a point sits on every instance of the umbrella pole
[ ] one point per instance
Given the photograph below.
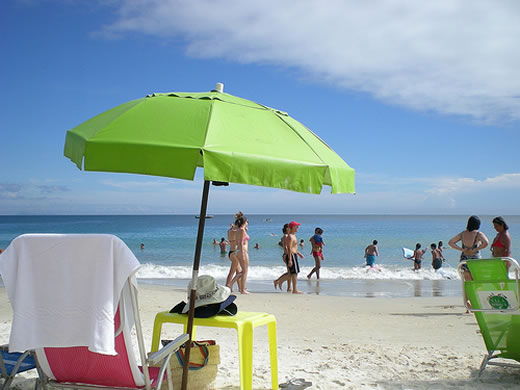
(194, 277)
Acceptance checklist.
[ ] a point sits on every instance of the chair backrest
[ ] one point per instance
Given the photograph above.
(488, 269)
(79, 365)
(87, 284)
(494, 300)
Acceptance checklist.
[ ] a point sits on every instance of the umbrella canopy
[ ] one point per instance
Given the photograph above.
(233, 139)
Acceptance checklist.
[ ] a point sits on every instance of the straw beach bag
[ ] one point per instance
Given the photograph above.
(204, 361)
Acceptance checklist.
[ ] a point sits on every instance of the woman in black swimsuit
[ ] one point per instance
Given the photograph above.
(235, 271)
(472, 242)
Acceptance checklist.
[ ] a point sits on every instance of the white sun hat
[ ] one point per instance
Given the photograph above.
(208, 292)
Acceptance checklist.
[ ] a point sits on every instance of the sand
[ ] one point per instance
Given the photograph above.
(342, 342)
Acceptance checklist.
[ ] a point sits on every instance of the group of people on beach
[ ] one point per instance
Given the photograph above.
(290, 256)
(437, 256)
(472, 241)
(239, 256)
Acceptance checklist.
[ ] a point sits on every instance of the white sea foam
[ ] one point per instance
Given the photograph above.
(153, 271)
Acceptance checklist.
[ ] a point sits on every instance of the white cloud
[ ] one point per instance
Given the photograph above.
(492, 195)
(504, 182)
(454, 57)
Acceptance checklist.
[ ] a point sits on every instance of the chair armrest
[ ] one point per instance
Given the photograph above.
(167, 350)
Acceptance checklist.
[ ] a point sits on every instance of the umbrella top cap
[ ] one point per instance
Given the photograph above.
(219, 87)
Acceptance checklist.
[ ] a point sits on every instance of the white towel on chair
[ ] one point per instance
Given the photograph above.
(64, 289)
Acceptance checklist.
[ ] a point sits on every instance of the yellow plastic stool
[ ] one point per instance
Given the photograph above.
(244, 323)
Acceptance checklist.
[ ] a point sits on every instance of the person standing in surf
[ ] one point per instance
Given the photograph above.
(371, 252)
(223, 246)
(436, 257)
(440, 248)
(418, 257)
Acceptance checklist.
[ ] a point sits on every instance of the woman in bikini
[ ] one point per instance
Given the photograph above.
(501, 246)
(472, 242)
(242, 251)
(235, 271)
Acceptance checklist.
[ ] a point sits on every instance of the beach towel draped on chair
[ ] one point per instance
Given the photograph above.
(65, 289)
(93, 277)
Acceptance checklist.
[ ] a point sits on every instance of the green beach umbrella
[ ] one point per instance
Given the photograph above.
(233, 139)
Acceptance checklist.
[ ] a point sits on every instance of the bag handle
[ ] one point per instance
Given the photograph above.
(194, 366)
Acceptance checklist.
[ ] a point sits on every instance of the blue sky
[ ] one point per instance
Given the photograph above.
(422, 99)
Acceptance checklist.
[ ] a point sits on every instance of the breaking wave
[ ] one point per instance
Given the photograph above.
(260, 273)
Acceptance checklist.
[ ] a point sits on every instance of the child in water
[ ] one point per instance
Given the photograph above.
(436, 257)
(417, 257)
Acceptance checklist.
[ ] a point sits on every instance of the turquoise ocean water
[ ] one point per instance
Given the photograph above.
(170, 240)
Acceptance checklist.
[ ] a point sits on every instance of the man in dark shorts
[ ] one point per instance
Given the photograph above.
(293, 254)
(417, 257)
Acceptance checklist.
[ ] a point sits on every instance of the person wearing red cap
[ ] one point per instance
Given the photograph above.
(293, 254)
(293, 224)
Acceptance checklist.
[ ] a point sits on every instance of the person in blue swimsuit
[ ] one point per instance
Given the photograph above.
(371, 252)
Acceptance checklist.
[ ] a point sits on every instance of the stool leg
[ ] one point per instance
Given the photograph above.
(273, 352)
(193, 330)
(245, 355)
(157, 327)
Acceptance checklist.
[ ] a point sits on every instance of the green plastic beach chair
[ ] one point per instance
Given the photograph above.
(494, 299)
